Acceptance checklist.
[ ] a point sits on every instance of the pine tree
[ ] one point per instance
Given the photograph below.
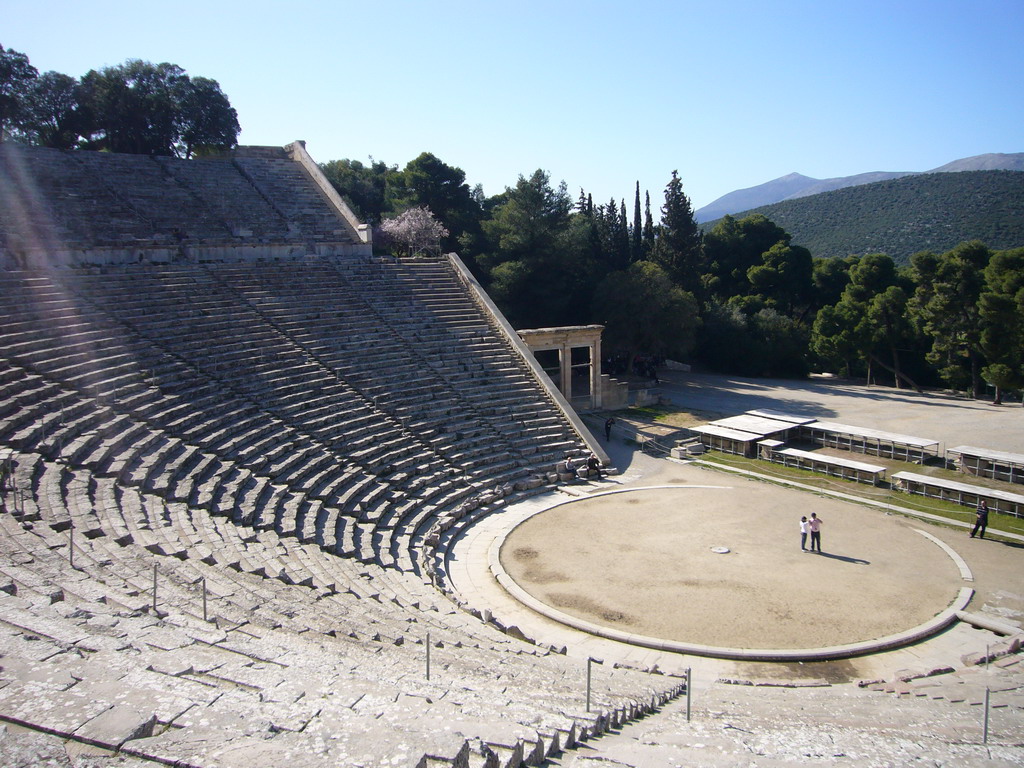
(581, 203)
(680, 245)
(614, 236)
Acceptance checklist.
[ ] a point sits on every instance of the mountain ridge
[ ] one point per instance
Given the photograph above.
(917, 212)
(796, 185)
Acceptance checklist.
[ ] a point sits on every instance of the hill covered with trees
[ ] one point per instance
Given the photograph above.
(899, 217)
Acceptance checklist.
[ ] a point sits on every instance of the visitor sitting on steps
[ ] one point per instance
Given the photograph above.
(567, 470)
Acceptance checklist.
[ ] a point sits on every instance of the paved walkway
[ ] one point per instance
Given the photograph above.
(951, 420)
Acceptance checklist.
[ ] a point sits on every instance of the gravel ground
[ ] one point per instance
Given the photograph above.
(621, 559)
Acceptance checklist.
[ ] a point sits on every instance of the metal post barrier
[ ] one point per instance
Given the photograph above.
(689, 692)
(428, 656)
(988, 671)
(589, 662)
(154, 589)
(984, 733)
(71, 545)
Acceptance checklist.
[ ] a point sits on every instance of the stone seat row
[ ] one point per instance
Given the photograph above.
(107, 200)
(407, 308)
(91, 443)
(27, 416)
(145, 471)
(106, 512)
(130, 523)
(521, 674)
(100, 448)
(209, 433)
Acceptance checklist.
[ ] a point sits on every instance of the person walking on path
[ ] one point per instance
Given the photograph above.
(980, 519)
(815, 525)
(804, 528)
(608, 428)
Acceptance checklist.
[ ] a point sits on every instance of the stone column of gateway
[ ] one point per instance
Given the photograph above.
(565, 340)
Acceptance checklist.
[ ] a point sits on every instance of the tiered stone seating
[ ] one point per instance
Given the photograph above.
(54, 201)
(154, 202)
(241, 428)
(371, 332)
(29, 196)
(229, 197)
(279, 179)
(184, 682)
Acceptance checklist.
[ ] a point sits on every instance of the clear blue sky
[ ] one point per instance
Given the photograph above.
(601, 95)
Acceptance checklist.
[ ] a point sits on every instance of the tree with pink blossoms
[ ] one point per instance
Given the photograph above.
(413, 231)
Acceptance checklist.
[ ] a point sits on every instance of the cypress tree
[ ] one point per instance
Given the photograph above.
(636, 240)
(648, 233)
(622, 245)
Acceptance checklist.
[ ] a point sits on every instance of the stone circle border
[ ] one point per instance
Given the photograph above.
(910, 636)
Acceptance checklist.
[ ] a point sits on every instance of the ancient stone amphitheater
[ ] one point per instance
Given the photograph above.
(233, 441)
(210, 385)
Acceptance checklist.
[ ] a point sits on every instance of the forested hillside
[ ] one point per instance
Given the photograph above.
(742, 297)
(900, 217)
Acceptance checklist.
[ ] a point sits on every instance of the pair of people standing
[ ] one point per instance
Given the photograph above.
(813, 527)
